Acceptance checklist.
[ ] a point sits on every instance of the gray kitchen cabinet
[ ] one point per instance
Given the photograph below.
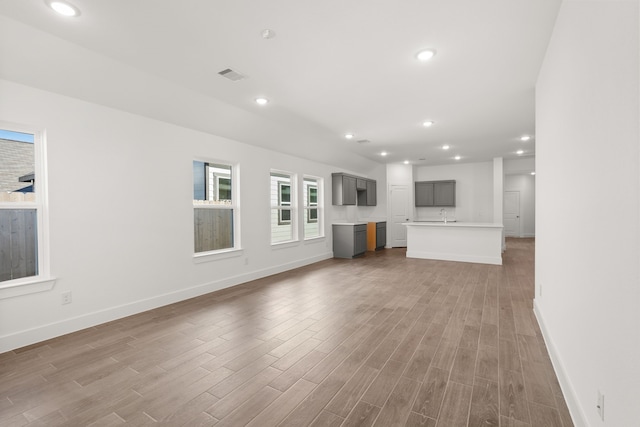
(424, 193)
(352, 190)
(361, 184)
(435, 193)
(343, 189)
(349, 240)
(444, 193)
(376, 235)
(372, 196)
(368, 196)
(381, 235)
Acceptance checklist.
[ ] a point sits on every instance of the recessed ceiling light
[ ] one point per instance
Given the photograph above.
(348, 135)
(384, 153)
(262, 101)
(525, 138)
(445, 147)
(457, 157)
(425, 54)
(428, 123)
(63, 8)
(406, 162)
(533, 173)
(520, 152)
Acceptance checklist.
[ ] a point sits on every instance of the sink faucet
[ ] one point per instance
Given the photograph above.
(443, 214)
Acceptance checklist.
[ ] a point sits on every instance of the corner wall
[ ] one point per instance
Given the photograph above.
(588, 208)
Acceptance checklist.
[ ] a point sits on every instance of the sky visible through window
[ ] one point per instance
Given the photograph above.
(16, 136)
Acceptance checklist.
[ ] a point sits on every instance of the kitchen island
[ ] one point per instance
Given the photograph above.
(455, 241)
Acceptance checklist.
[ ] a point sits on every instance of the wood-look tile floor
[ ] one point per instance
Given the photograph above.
(381, 340)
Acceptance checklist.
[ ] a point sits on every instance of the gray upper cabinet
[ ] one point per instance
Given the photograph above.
(424, 193)
(435, 193)
(372, 196)
(352, 190)
(367, 196)
(444, 193)
(343, 189)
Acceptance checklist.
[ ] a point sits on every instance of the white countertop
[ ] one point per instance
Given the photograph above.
(454, 224)
(350, 223)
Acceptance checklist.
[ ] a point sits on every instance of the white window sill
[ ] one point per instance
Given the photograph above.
(284, 245)
(314, 239)
(200, 258)
(26, 286)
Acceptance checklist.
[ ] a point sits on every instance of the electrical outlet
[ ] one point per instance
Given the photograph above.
(600, 405)
(66, 297)
(246, 261)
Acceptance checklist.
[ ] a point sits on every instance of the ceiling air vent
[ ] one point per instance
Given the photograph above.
(363, 141)
(234, 76)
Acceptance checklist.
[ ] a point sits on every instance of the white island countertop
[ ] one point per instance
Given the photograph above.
(479, 242)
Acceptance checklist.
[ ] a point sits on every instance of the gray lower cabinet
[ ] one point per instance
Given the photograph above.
(349, 240)
(376, 235)
(381, 235)
(435, 193)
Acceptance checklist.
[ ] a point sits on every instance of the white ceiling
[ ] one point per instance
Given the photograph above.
(335, 66)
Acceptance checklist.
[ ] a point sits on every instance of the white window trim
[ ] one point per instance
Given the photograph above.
(293, 207)
(43, 281)
(236, 250)
(319, 206)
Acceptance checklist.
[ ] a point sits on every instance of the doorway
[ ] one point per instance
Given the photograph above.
(511, 220)
(399, 196)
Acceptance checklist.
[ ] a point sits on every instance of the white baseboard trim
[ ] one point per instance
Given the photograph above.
(45, 332)
(478, 259)
(575, 409)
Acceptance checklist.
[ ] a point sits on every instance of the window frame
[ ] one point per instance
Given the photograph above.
(317, 206)
(234, 206)
(281, 206)
(312, 206)
(43, 281)
(281, 219)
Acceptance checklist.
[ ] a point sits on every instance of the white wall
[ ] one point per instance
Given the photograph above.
(526, 186)
(121, 216)
(520, 165)
(587, 208)
(474, 190)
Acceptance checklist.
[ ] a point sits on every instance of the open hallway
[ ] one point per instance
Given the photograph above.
(381, 340)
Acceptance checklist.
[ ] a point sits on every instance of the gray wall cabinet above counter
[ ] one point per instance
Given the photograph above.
(353, 190)
(435, 193)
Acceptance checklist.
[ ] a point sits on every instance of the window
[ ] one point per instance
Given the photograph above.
(23, 237)
(312, 208)
(214, 207)
(283, 227)
(284, 199)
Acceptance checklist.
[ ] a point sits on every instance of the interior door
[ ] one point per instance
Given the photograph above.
(511, 219)
(399, 214)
